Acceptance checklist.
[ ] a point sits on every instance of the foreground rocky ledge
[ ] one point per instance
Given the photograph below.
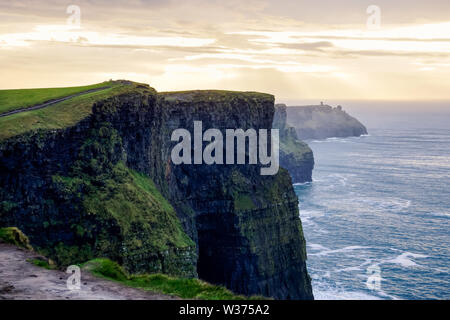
(21, 280)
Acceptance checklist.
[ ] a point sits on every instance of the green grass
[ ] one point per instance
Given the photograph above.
(135, 199)
(21, 98)
(145, 183)
(291, 145)
(182, 287)
(215, 95)
(60, 115)
(41, 263)
(13, 235)
(56, 116)
(68, 113)
(243, 202)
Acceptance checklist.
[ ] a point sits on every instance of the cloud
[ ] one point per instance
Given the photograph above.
(308, 46)
(288, 48)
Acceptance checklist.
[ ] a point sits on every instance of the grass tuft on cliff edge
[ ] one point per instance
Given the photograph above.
(13, 235)
(186, 288)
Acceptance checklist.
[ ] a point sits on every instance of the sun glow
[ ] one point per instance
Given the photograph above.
(215, 46)
(70, 34)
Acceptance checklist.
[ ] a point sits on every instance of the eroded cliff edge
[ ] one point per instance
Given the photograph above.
(295, 155)
(107, 187)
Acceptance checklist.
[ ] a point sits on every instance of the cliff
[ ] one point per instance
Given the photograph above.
(295, 155)
(323, 121)
(105, 187)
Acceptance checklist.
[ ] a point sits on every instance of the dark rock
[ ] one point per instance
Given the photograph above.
(295, 155)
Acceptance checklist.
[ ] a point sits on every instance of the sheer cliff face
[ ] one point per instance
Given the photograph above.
(70, 189)
(323, 121)
(295, 155)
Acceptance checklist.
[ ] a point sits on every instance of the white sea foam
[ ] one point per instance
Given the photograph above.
(322, 291)
(348, 269)
(304, 213)
(343, 295)
(405, 259)
(440, 214)
(302, 183)
(382, 204)
(307, 217)
(338, 139)
(333, 139)
(316, 246)
(345, 249)
(341, 178)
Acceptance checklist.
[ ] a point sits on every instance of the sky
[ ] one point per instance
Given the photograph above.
(297, 50)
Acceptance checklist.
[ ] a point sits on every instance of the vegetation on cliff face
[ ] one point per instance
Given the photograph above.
(218, 96)
(295, 155)
(103, 208)
(148, 223)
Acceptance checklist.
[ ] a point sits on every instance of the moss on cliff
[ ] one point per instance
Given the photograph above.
(295, 155)
(13, 235)
(98, 206)
(217, 96)
(146, 224)
(291, 145)
(147, 221)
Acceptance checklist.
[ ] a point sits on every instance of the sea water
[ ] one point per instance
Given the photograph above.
(380, 202)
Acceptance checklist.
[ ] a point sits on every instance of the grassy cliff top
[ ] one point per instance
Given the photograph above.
(22, 98)
(216, 95)
(80, 100)
(59, 115)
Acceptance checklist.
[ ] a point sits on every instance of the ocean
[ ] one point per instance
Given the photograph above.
(377, 215)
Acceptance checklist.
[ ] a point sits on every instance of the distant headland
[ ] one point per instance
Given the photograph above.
(323, 121)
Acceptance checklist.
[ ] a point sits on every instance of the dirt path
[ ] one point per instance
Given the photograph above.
(21, 280)
(51, 102)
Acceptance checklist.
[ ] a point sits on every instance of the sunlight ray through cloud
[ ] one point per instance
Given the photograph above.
(67, 33)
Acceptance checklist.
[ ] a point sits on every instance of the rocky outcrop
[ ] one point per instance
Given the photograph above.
(323, 121)
(295, 155)
(107, 187)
